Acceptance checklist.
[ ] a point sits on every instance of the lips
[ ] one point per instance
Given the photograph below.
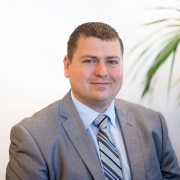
(103, 83)
(100, 84)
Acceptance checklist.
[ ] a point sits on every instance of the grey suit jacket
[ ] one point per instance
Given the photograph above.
(53, 144)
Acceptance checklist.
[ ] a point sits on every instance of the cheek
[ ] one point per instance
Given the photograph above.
(121, 74)
(83, 73)
(117, 74)
(121, 77)
(119, 80)
(79, 75)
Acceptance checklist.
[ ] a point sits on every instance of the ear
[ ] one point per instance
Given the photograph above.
(67, 62)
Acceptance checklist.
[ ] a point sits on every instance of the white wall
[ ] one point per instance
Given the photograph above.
(33, 37)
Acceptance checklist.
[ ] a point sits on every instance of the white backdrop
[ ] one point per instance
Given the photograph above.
(33, 36)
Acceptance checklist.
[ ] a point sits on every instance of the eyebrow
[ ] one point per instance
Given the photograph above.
(112, 57)
(96, 57)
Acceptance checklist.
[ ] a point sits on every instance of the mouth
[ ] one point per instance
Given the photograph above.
(100, 84)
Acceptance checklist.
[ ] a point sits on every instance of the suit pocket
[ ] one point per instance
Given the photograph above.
(154, 173)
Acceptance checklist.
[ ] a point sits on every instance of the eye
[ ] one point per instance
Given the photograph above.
(113, 61)
(89, 61)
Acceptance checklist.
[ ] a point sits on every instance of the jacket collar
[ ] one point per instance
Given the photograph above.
(77, 134)
(131, 139)
(79, 137)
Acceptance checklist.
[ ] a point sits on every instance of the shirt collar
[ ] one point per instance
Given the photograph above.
(88, 115)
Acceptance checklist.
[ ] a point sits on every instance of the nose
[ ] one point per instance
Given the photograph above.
(101, 69)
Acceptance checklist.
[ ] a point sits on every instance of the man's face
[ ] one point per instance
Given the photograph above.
(96, 71)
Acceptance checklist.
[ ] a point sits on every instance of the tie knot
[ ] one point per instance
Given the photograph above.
(101, 121)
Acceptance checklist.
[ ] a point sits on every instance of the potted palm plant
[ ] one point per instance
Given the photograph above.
(158, 47)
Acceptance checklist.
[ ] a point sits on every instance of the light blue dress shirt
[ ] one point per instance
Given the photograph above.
(88, 115)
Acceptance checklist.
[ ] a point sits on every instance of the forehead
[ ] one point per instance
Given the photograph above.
(94, 41)
(94, 44)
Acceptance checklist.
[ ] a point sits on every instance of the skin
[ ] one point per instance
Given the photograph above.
(95, 72)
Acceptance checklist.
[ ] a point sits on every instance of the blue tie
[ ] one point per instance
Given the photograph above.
(108, 153)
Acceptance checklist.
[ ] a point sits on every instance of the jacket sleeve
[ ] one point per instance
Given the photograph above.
(168, 161)
(26, 161)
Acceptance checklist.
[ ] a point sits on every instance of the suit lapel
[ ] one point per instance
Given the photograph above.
(79, 137)
(131, 140)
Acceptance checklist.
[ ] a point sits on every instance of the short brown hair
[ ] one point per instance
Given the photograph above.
(96, 29)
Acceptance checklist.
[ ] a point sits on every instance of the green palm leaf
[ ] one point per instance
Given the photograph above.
(166, 39)
(159, 60)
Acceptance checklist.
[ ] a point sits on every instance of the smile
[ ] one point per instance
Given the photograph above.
(101, 84)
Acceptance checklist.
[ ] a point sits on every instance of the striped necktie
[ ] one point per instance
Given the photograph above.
(108, 153)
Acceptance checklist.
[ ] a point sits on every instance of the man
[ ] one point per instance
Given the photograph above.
(62, 140)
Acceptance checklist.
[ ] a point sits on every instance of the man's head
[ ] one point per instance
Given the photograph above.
(94, 64)
(92, 29)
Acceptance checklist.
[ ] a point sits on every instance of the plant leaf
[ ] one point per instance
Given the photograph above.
(159, 60)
